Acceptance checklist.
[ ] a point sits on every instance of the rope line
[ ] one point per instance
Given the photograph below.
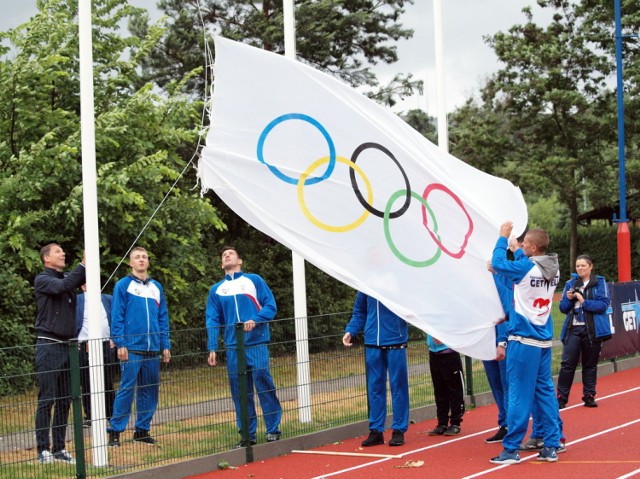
(201, 132)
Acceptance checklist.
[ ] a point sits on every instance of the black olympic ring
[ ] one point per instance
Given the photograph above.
(356, 190)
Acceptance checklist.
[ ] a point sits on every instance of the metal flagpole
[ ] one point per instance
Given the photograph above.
(623, 234)
(299, 282)
(91, 241)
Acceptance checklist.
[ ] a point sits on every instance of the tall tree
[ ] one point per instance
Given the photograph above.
(141, 138)
(344, 38)
(553, 90)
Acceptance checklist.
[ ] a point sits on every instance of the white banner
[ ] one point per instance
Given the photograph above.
(357, 192)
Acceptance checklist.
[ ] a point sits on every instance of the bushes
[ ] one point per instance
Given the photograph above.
(599, 242)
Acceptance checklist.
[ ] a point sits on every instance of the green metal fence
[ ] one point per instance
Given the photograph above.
(196, 416)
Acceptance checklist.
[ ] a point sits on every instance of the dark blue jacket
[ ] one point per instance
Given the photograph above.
(594, 308)
(56, 298)
(381, 326)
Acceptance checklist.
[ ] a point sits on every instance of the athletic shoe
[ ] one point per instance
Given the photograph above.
(397, 438)
(498, 436)
(548, 454)
(562, 448)
(144, 437)
(273, 436)
(562, 402)
(438, 430)
(64, 456)
(243, 443)
(375, 438)
(589, 401)
(114, 438)
(533, 443)
(45, 457)
(506, 457)
(452, 430)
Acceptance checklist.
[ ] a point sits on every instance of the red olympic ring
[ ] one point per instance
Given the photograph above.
(437, 186)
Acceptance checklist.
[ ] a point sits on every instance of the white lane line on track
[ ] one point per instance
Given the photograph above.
(486, 431)
(631, 474)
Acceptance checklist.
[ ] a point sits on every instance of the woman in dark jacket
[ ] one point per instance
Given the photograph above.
(585, 301)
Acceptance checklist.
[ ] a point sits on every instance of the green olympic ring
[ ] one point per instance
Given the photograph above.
(387, 232)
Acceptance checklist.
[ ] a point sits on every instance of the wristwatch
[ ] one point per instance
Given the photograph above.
(503, 344)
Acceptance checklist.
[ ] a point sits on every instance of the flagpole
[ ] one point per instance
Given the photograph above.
(91, 241)
(443, 132)
(299, 282)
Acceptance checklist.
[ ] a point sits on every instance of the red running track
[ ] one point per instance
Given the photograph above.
(602, 443)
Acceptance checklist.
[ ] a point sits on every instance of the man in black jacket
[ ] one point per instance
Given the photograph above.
(55, 326)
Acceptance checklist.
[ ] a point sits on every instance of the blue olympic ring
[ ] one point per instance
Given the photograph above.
(298, 116)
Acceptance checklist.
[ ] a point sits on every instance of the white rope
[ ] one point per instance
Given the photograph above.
(201, 132)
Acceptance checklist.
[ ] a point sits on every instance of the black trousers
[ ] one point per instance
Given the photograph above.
(111, 369)
(448, 387)
(54, 394)
(579, 348)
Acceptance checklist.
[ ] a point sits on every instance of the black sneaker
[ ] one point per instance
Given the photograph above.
(438, 430)
(64, 456)
(114, 438)
(143, 436)
(375, 438)
(498, 436)
(589, 401)
(243, 443)
(452, 430)
(562, 402)
(397, 438)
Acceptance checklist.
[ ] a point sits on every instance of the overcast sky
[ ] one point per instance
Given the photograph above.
(468, 60)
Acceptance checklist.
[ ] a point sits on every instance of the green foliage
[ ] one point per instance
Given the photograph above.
(599, 242)
(142, 137)
(16, 354)
(545, 212)
(422, 123)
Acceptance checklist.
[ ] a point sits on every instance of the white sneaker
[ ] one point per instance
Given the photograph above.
(45, 457)
(64, 456)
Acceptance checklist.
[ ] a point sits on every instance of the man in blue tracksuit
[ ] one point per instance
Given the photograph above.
(385, 339)
(534, 277)
(140, 331)
(496, 370)
(245, 298)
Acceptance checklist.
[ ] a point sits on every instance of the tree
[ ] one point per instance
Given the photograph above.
(422, 123)
(344, 38)
(553, 91)
(141, 140)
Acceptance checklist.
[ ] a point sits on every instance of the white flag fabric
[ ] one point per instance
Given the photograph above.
(357, 192)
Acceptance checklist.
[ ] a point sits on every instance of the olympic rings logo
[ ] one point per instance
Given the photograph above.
(307, 178)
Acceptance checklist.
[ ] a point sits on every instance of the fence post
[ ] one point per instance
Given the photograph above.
(468, 366)
(243, 385)
(76, 398)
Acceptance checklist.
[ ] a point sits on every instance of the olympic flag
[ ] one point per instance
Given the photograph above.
(357, 192)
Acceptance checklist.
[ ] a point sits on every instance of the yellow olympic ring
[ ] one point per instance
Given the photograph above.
(303, 205)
